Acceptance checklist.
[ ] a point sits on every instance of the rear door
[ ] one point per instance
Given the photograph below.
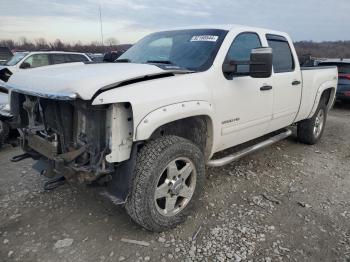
(57, 59)
(77, 58)
(287, 82)
(67, 58)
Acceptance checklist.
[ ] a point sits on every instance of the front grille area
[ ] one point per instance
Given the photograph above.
(67, 127)
(58, 117)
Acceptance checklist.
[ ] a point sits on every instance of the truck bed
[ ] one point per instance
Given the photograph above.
(313, 80)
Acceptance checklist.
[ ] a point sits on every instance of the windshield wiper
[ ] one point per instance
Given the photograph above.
(166, 62)
(168, 65)
(122, 60)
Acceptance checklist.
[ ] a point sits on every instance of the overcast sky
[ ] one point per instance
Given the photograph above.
(128, 20)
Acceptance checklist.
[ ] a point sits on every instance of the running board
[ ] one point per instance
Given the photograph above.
(229, 159)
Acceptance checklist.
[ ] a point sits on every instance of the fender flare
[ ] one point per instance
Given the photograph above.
(170, 113)
(325, 86)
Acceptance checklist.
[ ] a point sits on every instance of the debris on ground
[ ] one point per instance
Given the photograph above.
(136, 242)
(67, 242)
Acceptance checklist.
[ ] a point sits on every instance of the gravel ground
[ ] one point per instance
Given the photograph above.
(289, 202)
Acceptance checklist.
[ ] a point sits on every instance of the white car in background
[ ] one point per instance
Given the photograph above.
(27, 60)
(22, 61)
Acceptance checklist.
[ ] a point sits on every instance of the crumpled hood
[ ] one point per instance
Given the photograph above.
(77, 79)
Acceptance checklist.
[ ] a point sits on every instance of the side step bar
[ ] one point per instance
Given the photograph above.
(230, 158)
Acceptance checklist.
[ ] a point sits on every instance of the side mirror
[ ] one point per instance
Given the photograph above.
(25, 65)
(229, 67)
(261, 62)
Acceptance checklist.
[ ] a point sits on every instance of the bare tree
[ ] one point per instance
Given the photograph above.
(111, 41)
(338, 49)
(41, 44)
(58, 45)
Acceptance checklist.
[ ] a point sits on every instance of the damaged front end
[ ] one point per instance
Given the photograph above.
(68, 137)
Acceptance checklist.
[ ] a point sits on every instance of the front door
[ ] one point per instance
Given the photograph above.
(244, 104)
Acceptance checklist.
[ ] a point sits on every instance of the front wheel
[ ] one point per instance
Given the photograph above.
(310, 130)
(167, 182)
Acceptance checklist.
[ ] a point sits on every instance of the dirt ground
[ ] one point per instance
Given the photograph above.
(290, 202)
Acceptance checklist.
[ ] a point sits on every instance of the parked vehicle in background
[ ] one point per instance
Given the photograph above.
(343, 91)
(307, 60)
(112, 55)
(27, 60)
(5, 54)
(23, 61)
(98, 58)
(148, 124)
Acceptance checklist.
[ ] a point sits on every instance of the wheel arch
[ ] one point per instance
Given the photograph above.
(191, 120)
(324, 91)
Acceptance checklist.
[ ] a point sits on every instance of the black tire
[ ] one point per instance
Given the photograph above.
(306, 133)
(151, 162)
(4, 132)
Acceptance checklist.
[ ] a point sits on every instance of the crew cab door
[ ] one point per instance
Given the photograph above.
(243, 104)
(287, 82)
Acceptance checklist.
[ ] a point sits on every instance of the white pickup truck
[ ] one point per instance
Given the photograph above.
(147, 125)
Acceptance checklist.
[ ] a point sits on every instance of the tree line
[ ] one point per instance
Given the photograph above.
(41, 44)
(337, 49)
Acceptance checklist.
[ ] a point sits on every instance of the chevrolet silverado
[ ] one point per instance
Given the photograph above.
(147, 125)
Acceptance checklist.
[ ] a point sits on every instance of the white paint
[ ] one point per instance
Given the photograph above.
(80, 79)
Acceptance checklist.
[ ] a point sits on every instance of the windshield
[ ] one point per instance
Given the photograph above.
(193, 50)
(343, 68)
(15, 59)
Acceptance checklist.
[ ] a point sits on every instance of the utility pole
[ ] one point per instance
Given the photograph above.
(99, 7)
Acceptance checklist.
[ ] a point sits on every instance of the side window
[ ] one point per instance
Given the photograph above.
(76, 58)
(283, 60)
(37, 60)
(58, 59)
(241, 48)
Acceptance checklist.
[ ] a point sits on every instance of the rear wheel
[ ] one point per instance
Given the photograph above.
(311, 130)
(4, 132)
(167, 181)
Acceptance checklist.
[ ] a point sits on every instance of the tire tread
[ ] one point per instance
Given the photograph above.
(135, 205)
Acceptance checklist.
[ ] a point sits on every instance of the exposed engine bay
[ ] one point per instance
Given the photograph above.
(68, 137)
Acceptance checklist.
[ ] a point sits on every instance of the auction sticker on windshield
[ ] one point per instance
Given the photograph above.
(205, 38)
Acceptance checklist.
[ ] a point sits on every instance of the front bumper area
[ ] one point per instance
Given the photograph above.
(67, 137)
(52, 163)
